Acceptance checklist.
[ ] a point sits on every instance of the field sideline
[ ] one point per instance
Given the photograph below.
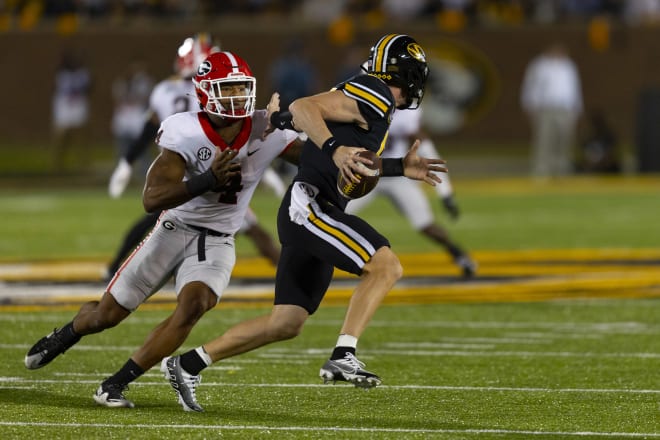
(530, 275)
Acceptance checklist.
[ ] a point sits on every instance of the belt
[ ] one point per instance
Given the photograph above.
(201, 240)
(208, 231)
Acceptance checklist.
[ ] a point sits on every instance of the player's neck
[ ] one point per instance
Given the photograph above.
(227, 129)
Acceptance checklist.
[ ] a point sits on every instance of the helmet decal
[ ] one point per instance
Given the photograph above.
(204, 68)
(416, 51)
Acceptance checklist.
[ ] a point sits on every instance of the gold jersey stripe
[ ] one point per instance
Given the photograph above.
(369, 97)
(382, 144)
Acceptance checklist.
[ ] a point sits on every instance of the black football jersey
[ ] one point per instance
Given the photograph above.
(376, 105)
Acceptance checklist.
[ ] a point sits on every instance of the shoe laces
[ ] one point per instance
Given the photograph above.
(53, 339)
(191, 381)
(115, 388)
(350, 360)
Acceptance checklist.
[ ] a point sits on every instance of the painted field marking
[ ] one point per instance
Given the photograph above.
(18, 380)
(274, 353)
(198, 427)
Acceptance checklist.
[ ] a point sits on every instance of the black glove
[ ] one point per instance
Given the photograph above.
(451, 207)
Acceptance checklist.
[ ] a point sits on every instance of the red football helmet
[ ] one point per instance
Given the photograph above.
(223, 72)
(192, 52)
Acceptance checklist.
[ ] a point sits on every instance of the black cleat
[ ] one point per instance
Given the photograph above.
(45, 350)
(112, 396)
(468, 266)
(348, 369)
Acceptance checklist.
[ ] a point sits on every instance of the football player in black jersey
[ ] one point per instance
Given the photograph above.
(316, 235)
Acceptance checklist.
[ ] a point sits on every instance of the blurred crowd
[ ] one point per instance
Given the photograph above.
(29, 13)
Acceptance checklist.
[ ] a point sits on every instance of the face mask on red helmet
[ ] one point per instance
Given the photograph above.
(225, 86)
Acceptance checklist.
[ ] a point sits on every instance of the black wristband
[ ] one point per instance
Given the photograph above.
(393, 166)
(282, 120)
(201, 183)
(329, 146)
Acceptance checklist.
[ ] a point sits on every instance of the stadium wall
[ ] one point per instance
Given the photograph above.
(612, 79)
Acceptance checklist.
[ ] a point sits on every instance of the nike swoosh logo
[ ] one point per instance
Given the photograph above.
(250, 153)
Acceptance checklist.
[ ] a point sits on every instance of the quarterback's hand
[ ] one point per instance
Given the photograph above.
(349, 163)
(451, 207)
(272, 107)
(422, 168)
(120, 178)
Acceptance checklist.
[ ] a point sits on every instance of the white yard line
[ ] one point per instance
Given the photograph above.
(197, 427)
(277, 352)
(14, 381)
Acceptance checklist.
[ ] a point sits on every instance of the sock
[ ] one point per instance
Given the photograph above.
(68, 336)
(454, 251)
(195, 360)
(345, 344)
(127, 374)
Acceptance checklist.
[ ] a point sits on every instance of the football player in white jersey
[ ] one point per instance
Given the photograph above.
(209, 166)
(174, 95)
(407, 195)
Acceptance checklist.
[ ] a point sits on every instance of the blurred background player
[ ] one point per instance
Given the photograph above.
(408, 197)
(73, 82)
(130, 92)
(176, 94)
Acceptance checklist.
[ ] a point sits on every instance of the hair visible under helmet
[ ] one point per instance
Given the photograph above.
(400, 61)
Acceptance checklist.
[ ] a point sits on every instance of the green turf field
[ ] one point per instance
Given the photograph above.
(558, 369)
(567, 348)
(587, 212)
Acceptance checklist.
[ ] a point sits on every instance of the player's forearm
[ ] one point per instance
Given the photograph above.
(157, 197)
(308, 117)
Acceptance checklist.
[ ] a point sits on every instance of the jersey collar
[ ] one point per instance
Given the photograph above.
(209, 131)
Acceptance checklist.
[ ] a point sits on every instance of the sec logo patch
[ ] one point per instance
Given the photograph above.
(204, 153)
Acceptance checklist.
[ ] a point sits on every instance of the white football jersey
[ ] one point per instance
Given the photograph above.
(191, 135)
(405, 126)
(173, 95)
(405, 123)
